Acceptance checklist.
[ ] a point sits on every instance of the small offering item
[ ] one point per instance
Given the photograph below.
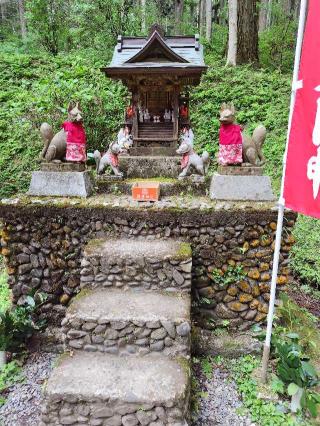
(146, 191)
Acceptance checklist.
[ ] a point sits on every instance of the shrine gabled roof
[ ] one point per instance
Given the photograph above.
(157, 52)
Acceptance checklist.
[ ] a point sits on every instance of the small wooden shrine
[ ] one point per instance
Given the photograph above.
(157, 70)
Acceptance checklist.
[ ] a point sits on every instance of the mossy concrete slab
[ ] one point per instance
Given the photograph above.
(152, 379)
(119, 305)
(135, 249)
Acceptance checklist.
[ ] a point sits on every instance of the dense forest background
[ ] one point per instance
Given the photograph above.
(51, 52)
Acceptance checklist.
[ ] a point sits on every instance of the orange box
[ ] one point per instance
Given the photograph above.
(146, 191)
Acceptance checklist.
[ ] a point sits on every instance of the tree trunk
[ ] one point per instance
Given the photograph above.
(232, 41)
(263, 15)
(208, 19)
(23, 25)
(143, 16)
(247, 32)
(3, 13)
(202, 20)
(178, 11)
(269, 13)
(192, 13)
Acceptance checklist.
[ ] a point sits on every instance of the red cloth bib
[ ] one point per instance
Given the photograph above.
(114, 159)
(76, 132)
(230, 134)
(185, 160)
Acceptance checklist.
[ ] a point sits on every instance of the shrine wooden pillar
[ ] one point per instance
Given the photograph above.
(175, 106)
(135, 99)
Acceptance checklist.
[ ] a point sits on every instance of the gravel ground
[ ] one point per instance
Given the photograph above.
(220, 402)
(22, 407)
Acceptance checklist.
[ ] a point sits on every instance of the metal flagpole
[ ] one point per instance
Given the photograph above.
(295, 85)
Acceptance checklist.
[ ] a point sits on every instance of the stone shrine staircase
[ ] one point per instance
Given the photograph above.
(127, 338)
(155, 131)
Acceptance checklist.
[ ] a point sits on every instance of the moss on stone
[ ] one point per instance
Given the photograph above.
(184, 364)
(84, 292)
(185, 251)
(93, 245)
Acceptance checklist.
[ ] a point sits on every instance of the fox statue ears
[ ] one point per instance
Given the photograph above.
(74, 105)
(230, 106)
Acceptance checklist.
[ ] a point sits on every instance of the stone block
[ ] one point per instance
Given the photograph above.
(62, 167)
(240, 170)
(116, 390)
(150, 167)
(60, 184)
(147, 319)
(241, 188)
(128, 263)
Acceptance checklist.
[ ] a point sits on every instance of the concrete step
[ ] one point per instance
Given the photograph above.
(168, 187)
(142, 163)
(126, 322)
(128, 263)
(103, 389)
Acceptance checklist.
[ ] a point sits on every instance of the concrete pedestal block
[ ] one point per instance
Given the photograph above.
(60, 184)
(150, 167)
(241, 188)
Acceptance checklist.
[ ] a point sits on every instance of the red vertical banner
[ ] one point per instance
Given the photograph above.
(302, 172)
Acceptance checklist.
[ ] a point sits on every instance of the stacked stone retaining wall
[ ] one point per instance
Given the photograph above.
(43, 248)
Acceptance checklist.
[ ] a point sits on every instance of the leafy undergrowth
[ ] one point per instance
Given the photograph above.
(10, 374)
(291, 318)
(259, 400)
(305, 253)
(5, 297)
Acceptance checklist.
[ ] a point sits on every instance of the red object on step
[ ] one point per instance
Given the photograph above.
(302, 172)
(146, 191)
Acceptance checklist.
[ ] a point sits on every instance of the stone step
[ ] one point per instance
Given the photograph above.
(126, 322)
(155, 125)
(168, 188)
(103, 389)
(129, 263)
(144, 164)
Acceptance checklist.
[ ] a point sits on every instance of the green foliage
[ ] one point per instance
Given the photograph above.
(295, 370)
(305, 253)
(207, 366)
(9, 375)
(263, 412)
(231, 276)
(5, 300)
(277, 46)
(293, 366)
(49, 22)
(291, 318)
(17, 325)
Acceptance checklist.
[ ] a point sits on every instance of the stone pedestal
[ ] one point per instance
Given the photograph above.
(241, 188)
(62, 167)
(150, 167)
(240, 170)
(60, 184)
